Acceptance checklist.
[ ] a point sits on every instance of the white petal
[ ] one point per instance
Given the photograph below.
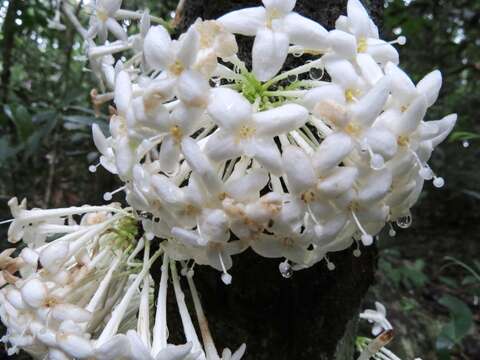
(187, 237)
(200, 164)
(71, 312)
(343, 43)
(157, 48)
(116, 29)
(267, 246)
(445, 127)
(34, 293)
(169, 155)
(214, 226)
(366, 110)
(338, 182)
(430, 86)
(369, 68)
(110, 6)
(75, 346)
(377, 186)
(266, 152)
(193, 88)
(189, 44)
(358, 18)
(342, 72)
(382, 142)
(228, 108)
(245, 21)
(114, 348)
(54, 255)
(298, 168)
(411, 118)
(332, 151)
(221, 146)
(247, 186)
(123, 92)
(305, 32)
(139, 351)
(403, 88)
(167, 190)
(326, 92)
(269, 52)
(280, 120)
(330, 229)
(283, 6)
(99, 139)
(124, 156)
(382, 51)
(174, 352)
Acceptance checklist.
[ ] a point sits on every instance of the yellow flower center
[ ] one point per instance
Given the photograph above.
(362, 45)
(403, 140)
(245, 132)
(177, 68)
(352, 129)
(351, 95)
(307, 196)
(176, 133)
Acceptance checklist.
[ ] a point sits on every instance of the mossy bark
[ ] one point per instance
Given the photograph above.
(311, 315)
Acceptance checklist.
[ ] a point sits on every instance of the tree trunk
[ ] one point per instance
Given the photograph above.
(311, 315)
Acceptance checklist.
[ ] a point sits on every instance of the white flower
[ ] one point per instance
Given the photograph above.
(104, 20)
(378, 318)
(274, 26)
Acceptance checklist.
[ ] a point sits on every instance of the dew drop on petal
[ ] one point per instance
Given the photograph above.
(298, 52)
(292, 78)
(465, 143)
(404, 222)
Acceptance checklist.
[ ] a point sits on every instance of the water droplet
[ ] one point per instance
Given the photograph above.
(298, 52)
(438, 182)
(465, 143)
(315, 73)
(357, 253)
(292, 78)
(404, 222)
(285, 269)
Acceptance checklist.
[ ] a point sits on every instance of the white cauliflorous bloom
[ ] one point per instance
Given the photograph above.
(215, 159)
(378, 318)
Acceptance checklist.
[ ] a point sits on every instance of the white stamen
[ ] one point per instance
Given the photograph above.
(366, 238)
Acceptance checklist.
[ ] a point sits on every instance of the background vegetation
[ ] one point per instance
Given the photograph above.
(429, 275)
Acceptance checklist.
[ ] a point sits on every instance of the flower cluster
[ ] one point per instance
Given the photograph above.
(82, 290)
(220, 159)
(214, 159)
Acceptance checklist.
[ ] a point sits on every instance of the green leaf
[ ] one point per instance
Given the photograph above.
(463, 135)
(461, 318)
(22, 120)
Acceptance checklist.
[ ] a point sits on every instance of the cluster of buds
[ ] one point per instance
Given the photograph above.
(83, 290)
(214, 159)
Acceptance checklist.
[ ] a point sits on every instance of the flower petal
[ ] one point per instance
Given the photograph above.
(334, 148)
(247, 187)
(358, 18)
(169, 155)
(430, 86)
(298, 169)
(377, 185)
(369, 68)
(382, 51)
(343, 43)
(338, 182)
(322, 93)
(282, 6)
(221, 146)
(188, 46)
(193, 88)
(269, 52)
(280, 120)
(157, 48)
(174, 352)
(445, 127)
(266, 152)
(123, 92)
(305, 32)
(245, 21)
(228, 108)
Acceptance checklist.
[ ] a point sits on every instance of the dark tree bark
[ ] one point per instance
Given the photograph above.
(311, 315)
(8, 30)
